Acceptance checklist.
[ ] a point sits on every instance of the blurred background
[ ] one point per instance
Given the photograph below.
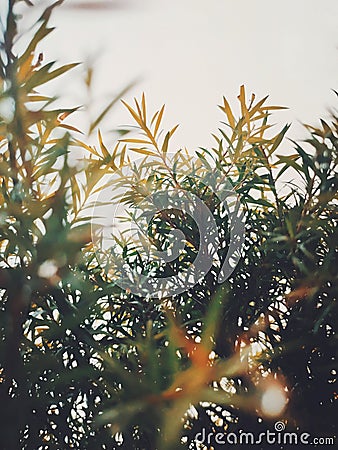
(188, 53)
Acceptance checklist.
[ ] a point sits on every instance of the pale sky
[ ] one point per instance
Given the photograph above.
(188, 53)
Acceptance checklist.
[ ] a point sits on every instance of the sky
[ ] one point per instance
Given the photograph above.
(189, 53)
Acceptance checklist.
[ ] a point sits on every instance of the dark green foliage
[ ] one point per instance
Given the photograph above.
(85, 364)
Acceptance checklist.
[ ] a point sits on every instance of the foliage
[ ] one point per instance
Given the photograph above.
(86, 364)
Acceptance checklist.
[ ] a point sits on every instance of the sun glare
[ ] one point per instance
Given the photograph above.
(273, 401)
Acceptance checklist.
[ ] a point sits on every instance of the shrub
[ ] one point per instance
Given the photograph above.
(88, 362)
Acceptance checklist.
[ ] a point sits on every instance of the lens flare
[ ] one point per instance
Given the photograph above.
(273, 401)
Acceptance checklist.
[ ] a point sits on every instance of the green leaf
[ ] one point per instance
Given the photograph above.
(105, 111)
(165, 144)
(278, 139)
(43, 75)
